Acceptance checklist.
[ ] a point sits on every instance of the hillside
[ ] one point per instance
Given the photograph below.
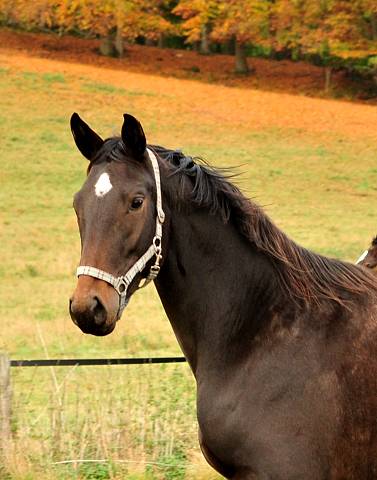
(298, 78)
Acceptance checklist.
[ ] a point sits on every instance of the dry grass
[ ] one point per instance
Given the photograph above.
(126, 422)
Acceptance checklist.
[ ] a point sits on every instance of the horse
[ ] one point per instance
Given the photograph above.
(282, 341)
(369, 258)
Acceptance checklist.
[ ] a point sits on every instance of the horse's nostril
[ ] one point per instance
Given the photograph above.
(93, 308)
(71, 312)
(99, 312)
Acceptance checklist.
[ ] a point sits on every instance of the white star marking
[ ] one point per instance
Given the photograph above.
(103, 185)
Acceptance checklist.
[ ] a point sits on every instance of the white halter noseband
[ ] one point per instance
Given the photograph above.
(121, 284)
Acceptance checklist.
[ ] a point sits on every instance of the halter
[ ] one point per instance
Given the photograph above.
(121, 284)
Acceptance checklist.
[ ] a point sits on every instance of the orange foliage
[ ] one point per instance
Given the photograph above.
(196, 14)
(333, 27)
(133, 17)
(342, 28)
(329, 28)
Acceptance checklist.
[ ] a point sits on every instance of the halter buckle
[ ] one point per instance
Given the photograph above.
(153, 272)
(160, 215)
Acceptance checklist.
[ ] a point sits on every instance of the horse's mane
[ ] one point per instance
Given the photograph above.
(303, 274)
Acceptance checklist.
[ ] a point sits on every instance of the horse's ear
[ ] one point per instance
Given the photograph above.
(133, 137)
(87, 141)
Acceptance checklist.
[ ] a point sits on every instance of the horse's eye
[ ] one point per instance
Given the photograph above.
(136, 203)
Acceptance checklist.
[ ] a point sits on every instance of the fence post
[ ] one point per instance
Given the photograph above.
(5, 401)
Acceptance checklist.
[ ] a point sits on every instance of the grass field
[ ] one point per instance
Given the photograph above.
(311, 163)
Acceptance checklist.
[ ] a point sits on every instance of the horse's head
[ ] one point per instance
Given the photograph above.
(116, 213)
(369, 258)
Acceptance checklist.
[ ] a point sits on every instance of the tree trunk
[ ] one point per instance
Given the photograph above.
(195, 46)
(204, 47)
(374, 25)
(230, 47)
(106, 47)
(241, 60)
(160, 41)
(119, 45)
(374, 36)
(327, 78)
(375, 75)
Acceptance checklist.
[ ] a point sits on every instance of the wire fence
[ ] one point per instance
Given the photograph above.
(129, 419)
(94, 361)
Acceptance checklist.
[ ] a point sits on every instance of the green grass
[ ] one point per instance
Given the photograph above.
(129, 422)
(320, 188)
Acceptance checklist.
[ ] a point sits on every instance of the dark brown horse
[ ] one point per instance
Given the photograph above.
(282, 342)
(369, 258)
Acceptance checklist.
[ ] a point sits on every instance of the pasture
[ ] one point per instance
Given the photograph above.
(310, 162)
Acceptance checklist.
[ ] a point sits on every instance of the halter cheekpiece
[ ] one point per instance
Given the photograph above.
(121, 284)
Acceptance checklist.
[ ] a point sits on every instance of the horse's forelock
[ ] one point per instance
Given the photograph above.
(112, 150)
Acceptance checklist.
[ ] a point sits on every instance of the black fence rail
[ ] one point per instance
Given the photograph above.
(94, 361)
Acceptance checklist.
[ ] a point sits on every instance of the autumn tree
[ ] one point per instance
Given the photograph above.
(370, 8)
(240, 20)
(336, 31)
(115, 20)
(198, 18)
(109, 19)
(245, 21)
(38, 14)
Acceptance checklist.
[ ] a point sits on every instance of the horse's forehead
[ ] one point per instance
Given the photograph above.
(114, 177)
(103, 185)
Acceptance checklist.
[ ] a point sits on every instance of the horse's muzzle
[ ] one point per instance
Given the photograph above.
(94, 306)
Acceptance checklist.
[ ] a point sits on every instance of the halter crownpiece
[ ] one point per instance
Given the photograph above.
(121, 284)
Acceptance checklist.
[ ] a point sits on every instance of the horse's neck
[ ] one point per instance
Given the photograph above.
(214, 285)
